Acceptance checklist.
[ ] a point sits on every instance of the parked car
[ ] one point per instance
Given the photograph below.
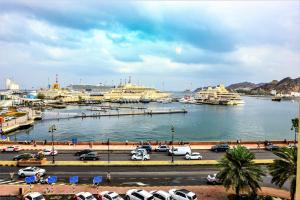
(90, 156)
(271, 147)
(49, 152)
(140, 156)
(106, 195)
(220, 148)
(33, 196)
(85, 151)
(135, 194)
(12, 149)
(147, 147)
(139, 150)
(180, 151)
(161, 195)
(212, 179)
(23, 156)
(31, 171)
(182, 194)
(193, 156)
(162, 148)
(84, 196)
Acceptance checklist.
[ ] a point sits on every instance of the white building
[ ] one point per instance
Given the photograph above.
(11, 85)
(295, 94)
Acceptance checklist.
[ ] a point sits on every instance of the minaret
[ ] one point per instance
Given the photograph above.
(129, 81)
(56, 78)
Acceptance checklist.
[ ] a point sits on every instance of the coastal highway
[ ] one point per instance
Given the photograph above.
(68, 155)
(129, 175)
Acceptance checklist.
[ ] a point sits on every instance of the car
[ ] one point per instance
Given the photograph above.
(49, 152)
(140, 156)
(162, 148)
(12, 149)
(84, 196)
(137, 150)
(85, 151)
(161, 195)
(107, 195)
(180, 151)
(182, 194)
(292, 146)
(147, 147)
(220, 148)
(31, 171)
(135, 194)
(212, 179)
(33, 196)
(193, 156)
(90, 156)
(272, 147)
(23, 156)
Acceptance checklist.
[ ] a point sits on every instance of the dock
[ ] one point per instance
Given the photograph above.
(132, 113)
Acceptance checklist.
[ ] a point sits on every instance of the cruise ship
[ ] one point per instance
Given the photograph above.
(132, 93)
(218, 95)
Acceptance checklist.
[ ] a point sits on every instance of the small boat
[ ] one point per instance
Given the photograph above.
(276, 99)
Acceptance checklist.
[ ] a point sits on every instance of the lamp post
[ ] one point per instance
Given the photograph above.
(172, 130)
(52, 128)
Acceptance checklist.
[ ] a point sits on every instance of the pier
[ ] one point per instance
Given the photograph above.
(101, 114)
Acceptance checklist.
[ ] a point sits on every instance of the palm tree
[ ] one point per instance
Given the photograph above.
(239, 172)
(284, 169)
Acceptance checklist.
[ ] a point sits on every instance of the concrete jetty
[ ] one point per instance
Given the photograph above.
(109, 114)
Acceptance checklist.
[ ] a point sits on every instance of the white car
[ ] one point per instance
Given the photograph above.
(33, 196)
(106, 195)
(161, 195)
(140, 156)
(49, 152)
(31, 171)
(12, 149)
(212, 179)
(182, 194)
(193, 156)
(135, 194)
(138, 150)
(162, 148)
(84, 196)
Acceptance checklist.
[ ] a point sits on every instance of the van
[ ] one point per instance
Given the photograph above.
(180, 151)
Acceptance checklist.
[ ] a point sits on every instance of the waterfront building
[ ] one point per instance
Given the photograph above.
(134, 93)
(218, 95)
(11, 85)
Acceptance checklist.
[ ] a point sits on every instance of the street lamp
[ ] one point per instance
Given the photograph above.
(52, 128)
(172, 130)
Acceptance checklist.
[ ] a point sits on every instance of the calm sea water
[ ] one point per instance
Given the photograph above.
(258, 119)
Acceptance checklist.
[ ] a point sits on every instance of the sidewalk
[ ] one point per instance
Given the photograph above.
(202, 192)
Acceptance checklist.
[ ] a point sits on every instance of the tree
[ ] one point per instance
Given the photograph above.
(284, 169)
(239, 172)
(40, 96)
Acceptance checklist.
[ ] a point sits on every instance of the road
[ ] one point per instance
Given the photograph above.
(68, 155)
(128, 176)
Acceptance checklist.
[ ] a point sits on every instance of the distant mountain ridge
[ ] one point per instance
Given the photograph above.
(284, 86)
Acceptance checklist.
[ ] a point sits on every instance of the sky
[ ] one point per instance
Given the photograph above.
(171, 45)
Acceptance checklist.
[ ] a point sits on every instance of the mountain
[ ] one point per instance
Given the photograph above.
(247, 86)
(284, 86)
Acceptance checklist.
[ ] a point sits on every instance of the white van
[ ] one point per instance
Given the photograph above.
(180, 151)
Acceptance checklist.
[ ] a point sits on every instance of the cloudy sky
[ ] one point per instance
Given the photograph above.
(172, 45)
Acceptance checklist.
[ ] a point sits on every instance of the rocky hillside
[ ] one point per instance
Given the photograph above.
(247, 86)
(285, 86)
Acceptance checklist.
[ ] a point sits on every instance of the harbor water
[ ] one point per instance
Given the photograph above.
(258, 119)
